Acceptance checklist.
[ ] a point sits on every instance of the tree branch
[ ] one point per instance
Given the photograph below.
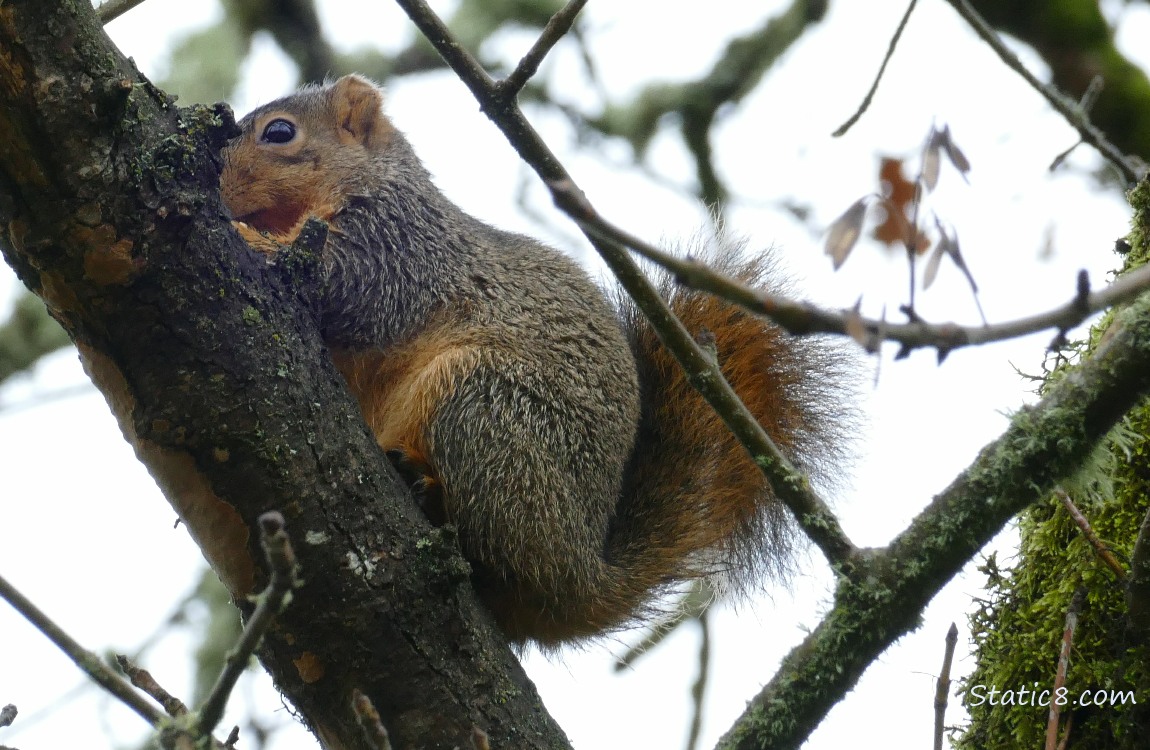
(883, 599)
(882, 593)
(555, 30)
(88, 662)
(791, 487)
(213, 364)
(1131, 168)
(802, 318)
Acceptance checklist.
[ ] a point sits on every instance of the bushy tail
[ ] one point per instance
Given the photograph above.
(694, 502)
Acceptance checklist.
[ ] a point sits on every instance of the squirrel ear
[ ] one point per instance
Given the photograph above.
(358, 105)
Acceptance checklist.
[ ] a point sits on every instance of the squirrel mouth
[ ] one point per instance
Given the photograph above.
(274, 219)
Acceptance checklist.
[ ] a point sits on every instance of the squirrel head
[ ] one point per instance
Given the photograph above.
(304, 154)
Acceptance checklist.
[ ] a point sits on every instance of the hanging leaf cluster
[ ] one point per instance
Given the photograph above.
(901, 204)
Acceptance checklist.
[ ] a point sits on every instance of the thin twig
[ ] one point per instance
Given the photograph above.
(700, 595)
(1087, 531)
(555, 30)
(842, 129)
(113, 9)
(281, 559)
(1067, 729)
(91, 664)
(1138, 587)
(1085, 103)
(699, 688)
(1132, 169)
(144, 681)
(803, 318)
(703, 373)
(369, 720)
(942, 687)
(1072, 611)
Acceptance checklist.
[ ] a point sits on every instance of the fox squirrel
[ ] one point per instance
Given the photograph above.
(582, 471)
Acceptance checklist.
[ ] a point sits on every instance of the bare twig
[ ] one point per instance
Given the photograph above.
(373, 730)
(1138, 587)
(1132, 169)
(802, 318)
(1087, 531)
(700, 595)
(113, 9)
(699, 688)
(555, 30)
(144, 681)
(91, 664)
(1085, 103)
(281, 560)
(703, 373)
(1076, 603)
(842, 129)
(942, 687)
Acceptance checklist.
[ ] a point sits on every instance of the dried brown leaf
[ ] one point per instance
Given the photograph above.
(954, 153)
(845, 231)
(931, 161)
(931, 270)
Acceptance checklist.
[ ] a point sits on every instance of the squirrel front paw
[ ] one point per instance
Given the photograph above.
(256, 239)
(418, 475)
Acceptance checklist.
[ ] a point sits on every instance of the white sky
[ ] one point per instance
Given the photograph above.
(88, 542)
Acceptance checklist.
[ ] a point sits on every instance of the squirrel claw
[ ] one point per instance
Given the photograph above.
(419, 476)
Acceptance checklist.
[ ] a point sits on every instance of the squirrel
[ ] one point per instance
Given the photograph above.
(546, 422)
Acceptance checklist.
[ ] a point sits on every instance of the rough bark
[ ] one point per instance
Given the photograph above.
(212, 362)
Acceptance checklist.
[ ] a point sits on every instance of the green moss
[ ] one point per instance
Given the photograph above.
(1018, 626)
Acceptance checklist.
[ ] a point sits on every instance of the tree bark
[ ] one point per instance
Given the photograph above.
(212, 362)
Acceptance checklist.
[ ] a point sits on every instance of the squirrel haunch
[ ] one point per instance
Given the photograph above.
(583, 473)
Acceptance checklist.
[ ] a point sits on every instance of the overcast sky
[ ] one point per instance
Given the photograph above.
(86, 535)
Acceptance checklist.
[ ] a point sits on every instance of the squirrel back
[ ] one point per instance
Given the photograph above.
(583, 473)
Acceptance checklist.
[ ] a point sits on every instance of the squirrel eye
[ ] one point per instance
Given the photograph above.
(278, 131)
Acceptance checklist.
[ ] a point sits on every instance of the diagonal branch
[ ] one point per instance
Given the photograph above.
(555, 30)
(90, 663)
(1131, 168)
(213, 363)
(790, 485)
(882, 593)
(884, 599)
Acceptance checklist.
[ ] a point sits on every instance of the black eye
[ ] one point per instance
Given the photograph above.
(278, 131)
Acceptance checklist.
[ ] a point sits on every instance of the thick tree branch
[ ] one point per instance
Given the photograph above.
(213, 363)
(883, 598)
